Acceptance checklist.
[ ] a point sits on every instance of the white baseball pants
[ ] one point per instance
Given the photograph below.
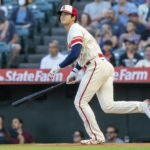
(98, 79)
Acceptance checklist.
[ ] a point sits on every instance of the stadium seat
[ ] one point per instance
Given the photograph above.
(10, 7)
(61, 39)
(29, 65)
(39, 16)
(45, 7)
(55, 4)
(141, 52)
(23, 34)
(10, 2)
(59, 31)
(117, 53)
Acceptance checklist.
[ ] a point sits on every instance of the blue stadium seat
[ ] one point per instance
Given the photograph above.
(40, 17)
(117, 53)
(141, 52)
(23, 34)
(10, 8)
(9, 1)
(43, 5)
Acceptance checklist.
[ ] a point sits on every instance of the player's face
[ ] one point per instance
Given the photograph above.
(65, 18)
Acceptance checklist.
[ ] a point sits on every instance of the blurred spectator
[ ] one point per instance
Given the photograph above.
(105, 33)
(139, 26)
(11, 37)
(53, 58)
(22, 15)
(17, 124)
(145, 62)
(6, 134)
(144, 12)
(6, 24)
(145, 38)
(131, 57)
(112, 135)
(107, 51)
(97, 9)
(131, 28)
(78, 136)
(3, 8)
(123, 9)
(85, 21)
(113, 21)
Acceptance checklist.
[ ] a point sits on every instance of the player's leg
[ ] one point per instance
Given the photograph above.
(106, 99)
(88, 87)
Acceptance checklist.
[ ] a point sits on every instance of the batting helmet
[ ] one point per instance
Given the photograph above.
(68, 9)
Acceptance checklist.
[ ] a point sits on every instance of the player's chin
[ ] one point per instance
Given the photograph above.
(63, 22)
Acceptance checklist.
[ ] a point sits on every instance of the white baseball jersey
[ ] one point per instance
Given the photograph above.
(90, 48)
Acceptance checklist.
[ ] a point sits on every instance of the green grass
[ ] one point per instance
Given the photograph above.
(78, 148)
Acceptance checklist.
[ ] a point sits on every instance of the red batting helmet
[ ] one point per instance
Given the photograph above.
(68, 9)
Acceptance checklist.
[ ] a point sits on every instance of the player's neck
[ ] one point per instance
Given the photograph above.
(67, 27)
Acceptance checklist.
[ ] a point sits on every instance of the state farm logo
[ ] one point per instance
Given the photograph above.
(126, 75)
(36, 76)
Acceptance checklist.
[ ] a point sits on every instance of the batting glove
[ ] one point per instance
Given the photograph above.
(72, 77)
(53, 72)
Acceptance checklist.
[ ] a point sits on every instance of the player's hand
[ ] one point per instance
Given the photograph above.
(72, 78)
(53, 72)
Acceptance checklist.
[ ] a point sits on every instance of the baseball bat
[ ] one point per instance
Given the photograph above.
(36, 94)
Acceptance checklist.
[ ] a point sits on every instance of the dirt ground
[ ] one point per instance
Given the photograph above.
(65, 144)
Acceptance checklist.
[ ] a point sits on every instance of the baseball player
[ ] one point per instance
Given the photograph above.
(98, 78)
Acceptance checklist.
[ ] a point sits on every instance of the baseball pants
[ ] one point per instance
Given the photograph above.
(98, 79)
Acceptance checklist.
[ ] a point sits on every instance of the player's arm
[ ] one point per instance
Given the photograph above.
(75, 53)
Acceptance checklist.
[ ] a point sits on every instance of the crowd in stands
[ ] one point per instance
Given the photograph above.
(21, 18)
(120, 27)
(111, 135)
(14, 134)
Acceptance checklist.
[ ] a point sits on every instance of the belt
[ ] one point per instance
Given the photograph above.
(99, 55)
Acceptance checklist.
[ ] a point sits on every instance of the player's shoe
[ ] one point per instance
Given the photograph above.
(147, 107)
(91, 142)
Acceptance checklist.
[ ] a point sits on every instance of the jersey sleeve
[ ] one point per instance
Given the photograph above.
(75, 37)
